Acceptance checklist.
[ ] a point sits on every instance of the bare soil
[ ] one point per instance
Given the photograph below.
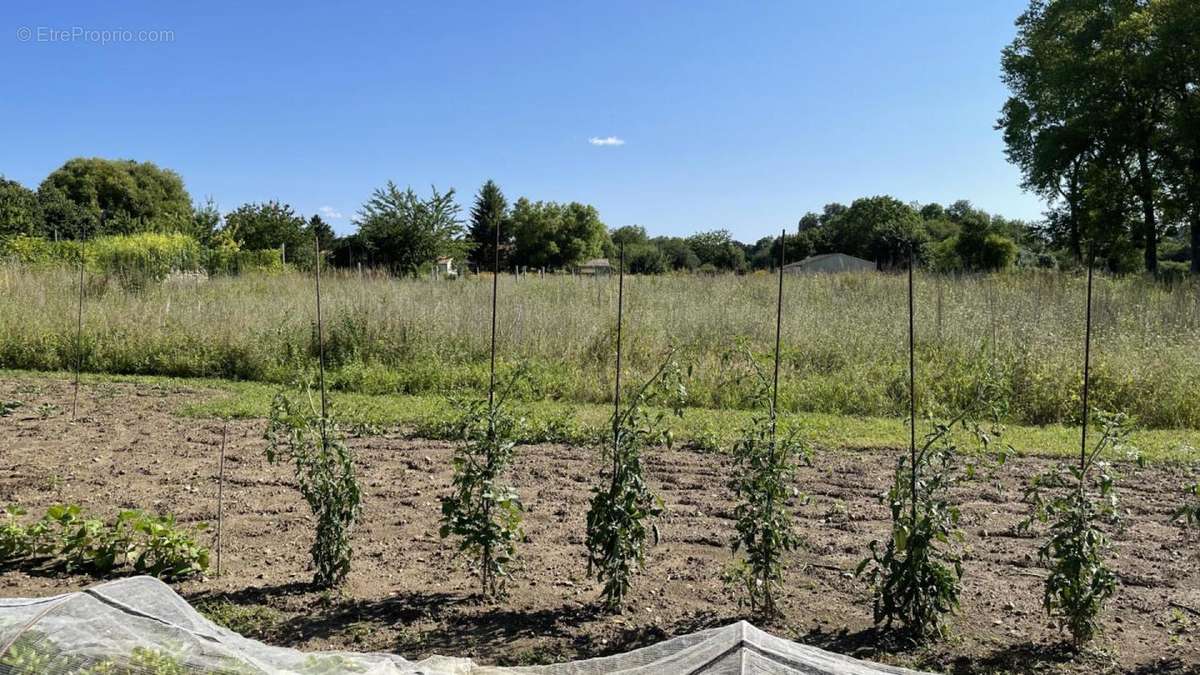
(408, 592)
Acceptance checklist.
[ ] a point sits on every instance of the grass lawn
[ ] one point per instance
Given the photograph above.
(704, 428)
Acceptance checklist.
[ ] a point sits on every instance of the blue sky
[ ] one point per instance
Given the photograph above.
(732, 115)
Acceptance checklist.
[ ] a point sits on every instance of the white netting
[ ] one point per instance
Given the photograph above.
(139, 626)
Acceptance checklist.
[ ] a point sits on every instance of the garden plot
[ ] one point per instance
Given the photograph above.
(408, 592)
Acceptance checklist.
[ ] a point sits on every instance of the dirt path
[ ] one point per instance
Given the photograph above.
(408, 593)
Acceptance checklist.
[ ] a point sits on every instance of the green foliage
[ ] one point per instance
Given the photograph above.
(406, 233)
(65, 535)
(1188, 513)
(324, 469)
(1075, 504)
(916, 576)
(717, 248)
(481, 511)
(135, 261)
(271, 225)
(19, 213)
(616, 520)
(764, 474)
(553, 235)
(489, 213)
(95, 196)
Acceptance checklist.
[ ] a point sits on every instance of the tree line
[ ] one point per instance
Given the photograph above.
(405, 232)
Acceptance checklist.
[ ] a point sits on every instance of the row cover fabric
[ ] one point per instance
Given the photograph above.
(139, 626)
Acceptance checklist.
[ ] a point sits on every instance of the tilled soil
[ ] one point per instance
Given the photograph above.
(409, 593)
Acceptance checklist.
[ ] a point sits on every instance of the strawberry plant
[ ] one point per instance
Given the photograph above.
(622, 505)
(482, 512)
(916, 575)
(764, 468)
(1075, 504)
(299, 433)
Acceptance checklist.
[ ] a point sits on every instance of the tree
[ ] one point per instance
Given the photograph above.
(677, 255)
(881, 228)
(405, 232)
(322, 231)
(206, 220)
(270, 225)
(979, 246)
(1088, 98)
(717, 248)
(1176, 57)
(113, 197)
(489, 213)
(553, 235)
(18, 210)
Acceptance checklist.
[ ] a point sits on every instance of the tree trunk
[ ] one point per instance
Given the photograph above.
(1150, 221)
(1195, 225)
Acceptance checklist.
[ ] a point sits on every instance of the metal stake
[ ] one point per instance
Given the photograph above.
(221, 496)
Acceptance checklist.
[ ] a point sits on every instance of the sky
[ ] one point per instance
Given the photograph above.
(677, 116)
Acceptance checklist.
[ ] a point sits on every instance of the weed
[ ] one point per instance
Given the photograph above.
(256, 621)
(8, 407)
(298, 433)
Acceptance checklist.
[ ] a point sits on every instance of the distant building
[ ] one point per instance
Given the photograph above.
(444, 267)
(829, 263)
(596, 266)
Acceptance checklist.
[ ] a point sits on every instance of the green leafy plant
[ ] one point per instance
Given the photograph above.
(764, 473)
(166, 551)
(483, 513)
(1189, 513)
(8, 407)
(616, 520)
(324, 468)
(1075, 504)
(65, 535)
(916, 576)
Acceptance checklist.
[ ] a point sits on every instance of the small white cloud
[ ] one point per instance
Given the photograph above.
(608, 140)
(330, 213)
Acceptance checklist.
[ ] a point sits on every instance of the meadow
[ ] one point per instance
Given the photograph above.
(844, 339)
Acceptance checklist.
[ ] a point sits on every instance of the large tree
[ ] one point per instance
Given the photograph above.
(270, 225)
(106, 196)
(554, 235)
(488, 215)
(1088, 100)
(718, 249)
(1175, 25)
(18, 210)
(406, 233)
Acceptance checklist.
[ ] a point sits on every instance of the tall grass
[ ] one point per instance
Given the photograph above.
(844, 336)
